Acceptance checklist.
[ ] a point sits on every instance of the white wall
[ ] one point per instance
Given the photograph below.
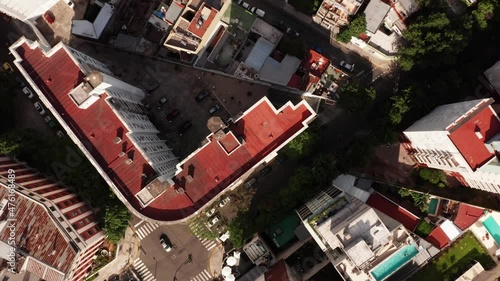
(26, 9)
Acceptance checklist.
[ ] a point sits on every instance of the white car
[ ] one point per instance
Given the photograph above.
(245, 5)
(213, 221)
(224, 201)
(27, 92)
(347, 66)
(210, 212)
(39, 108)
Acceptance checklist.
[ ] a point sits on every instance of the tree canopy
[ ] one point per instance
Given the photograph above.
(434, 176)
(301, 146)
(355, 98)
(355, 28)
(420, 200)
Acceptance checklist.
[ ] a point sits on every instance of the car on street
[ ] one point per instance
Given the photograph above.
(224, 201)
(281, 158)
(60, 134)
(265, 171)
(212, 221)
(165, 242)
(280, 26)
(39, 108)
(211, 212)
(184, 127)
(162, 101)
(202, 95)
(214, 109)
(292, 32)
(172, 115)
(50, 121)
(347, 66)
(27, 92)
(20, 82)
(250, 182)
(7, 67)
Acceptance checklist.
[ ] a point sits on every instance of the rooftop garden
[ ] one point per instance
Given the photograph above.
(455, 260)
(236, 16)
(423, 228)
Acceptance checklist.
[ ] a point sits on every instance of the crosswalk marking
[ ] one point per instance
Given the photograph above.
(145, 230)
(202, 276)
(209, 244)
(143, 271)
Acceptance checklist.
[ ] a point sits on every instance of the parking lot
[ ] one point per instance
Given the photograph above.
(179, 85)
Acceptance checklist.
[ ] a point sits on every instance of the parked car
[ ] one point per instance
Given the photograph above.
(162, 101)
(39, 108)
(250, 182)
(210, 212)
(7, 67)
(224, 201)
(292, 32)
(50, 121)
(20, 82)
(260, 13)
(184, 127)
(280, 26)
(213, 220)
(202, 95)
(60, 134)
(245, 5)
(281, 158)
(214, 109)
(347, 66)
(49, 17)
(165, 242)
(265, 171)
(27, 92)
(174, 113)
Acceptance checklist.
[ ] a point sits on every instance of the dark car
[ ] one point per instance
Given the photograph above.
(203, 94)
(292, 32)
(174, 113)
(184, 127)
(165, 242)
(162, 101)
(265, 171)
(114, 277)
(281, 158)
(214, 109)
(280, 26)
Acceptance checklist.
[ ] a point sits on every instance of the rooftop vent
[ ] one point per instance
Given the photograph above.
(189, 178)
(478, 133)
(117, 140)
(129, 161)
(121, 154)
(180, 190)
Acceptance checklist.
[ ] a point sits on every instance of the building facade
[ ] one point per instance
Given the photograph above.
(56, 234)
(462, 139)
(25, 10)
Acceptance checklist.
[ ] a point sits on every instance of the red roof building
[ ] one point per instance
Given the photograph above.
(392, 210)
(438, 238)
(467, 215)
(313, 65)
(112, 129)
(56, 231)
(280, 271)
(462, 139)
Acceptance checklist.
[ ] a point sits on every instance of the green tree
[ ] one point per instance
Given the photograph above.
(241, 197)
(355, 98)
(400, 105)
(301, 146)
(240, 229)
(307, 7)
(355, 28)
(485, 11)
(431, 41)
(116, 219)
(434, 176)
(419, 200)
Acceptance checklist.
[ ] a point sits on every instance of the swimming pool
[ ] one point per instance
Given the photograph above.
(394, 262)
(493, 228)
(432, 206)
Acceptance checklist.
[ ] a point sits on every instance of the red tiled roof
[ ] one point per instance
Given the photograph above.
(262, 129)
(438, 238)
(277, 272)
(394, 211)
(95, 126)
(199, 30)
(311, 63)
(38, 235)
(468, 143)
(467, 215)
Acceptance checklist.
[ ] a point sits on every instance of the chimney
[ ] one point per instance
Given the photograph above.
(478, 134)
(117, 140)
(121, 154)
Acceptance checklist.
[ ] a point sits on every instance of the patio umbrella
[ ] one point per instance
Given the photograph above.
(497, 253)
(231, 261)
(230, 278)
(226, 271)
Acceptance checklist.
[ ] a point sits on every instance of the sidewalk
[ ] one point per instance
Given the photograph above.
(215, 260)
(127, 253)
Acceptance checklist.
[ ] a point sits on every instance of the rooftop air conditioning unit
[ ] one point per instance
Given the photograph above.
(180, 190)
(117, 140)
(129, 161)
(121, 154)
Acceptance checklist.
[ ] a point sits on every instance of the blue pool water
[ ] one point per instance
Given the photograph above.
(394, 262)
(493, 228)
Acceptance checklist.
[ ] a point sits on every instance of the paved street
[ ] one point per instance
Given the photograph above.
(313, 38)
(155, 263)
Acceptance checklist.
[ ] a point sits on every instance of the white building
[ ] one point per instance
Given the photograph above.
(25, 9)
(462, 139)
